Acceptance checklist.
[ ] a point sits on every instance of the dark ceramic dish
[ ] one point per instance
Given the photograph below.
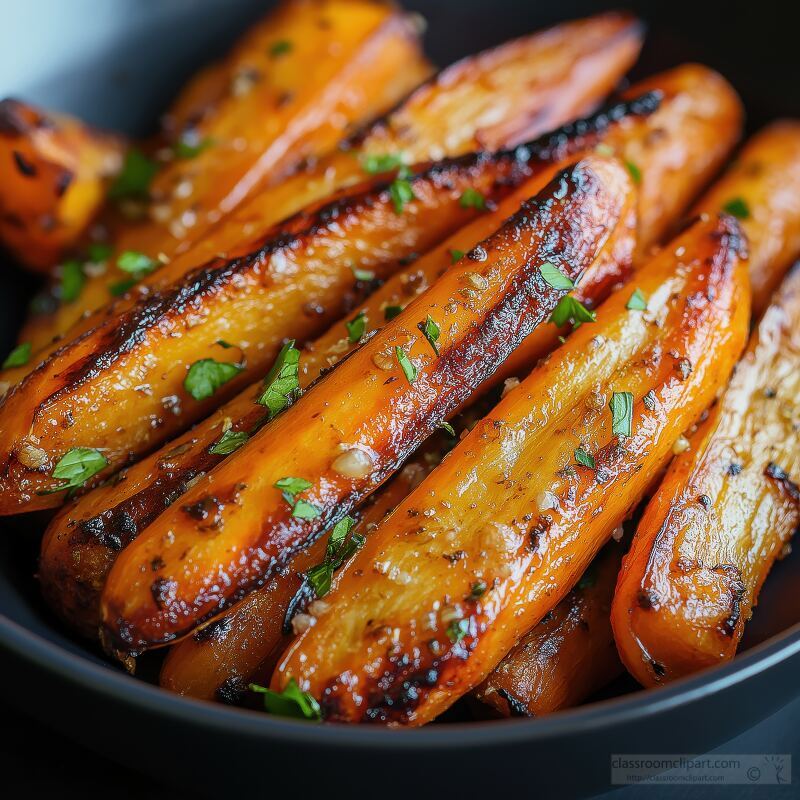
(116, 63)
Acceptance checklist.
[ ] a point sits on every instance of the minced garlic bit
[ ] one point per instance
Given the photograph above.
(353, 463)
(508, 385)
(31, 455)
(681, 445)
(302, 622)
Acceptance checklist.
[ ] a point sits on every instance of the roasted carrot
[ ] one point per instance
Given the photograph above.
(146, 374)
(762, 189)
(296, 87)
(495, 537)
(568, 656)
(724, 513)
(405, 380)
(54, 173)
(531, 85)
(82, 542)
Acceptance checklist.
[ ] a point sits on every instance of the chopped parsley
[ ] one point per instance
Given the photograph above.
(406, 364)
(291, 702)
(99, 253)
(342, 544)
(636, 173)
(356, 327)
(554, 277)
(19, 356)
(304, 510)
(478, 590)
(229, 443)
(446, 426)
(280, 48)
(390, 312)
(290, 488)
(76, 467)
(472, 198)
(376, 164)
(72, 280)
(457, 630)
(584, 458)
(737, 207)
(401, 191)
(456, 256)
(137, 264)
(282, 386)
(621, 413)
(363, 275)
(637, 301)
(187, 149)
(571, 310)
(430, 330)
(207, 375)
(135, 177)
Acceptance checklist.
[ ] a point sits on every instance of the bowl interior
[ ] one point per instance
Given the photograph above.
(85, 62)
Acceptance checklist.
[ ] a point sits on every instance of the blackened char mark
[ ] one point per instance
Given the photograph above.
(737, 591)
(783, 481)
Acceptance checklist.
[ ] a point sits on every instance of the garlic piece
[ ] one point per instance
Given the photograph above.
(353, 463)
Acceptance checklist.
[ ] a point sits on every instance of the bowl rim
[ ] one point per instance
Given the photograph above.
(104, 680)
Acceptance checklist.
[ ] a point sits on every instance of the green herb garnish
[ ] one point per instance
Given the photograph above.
(137, 264)
(304, 510)
(72, 281)
(401, 191)
(446, 426)
(342, 544)
(292, 486)
(207, 375)
(280, 48)
(356, 327)
(229, 443)
(637, 301)
(571, 310)
(406, 364)
(472, 198)
(584, 458)
(135, 177)
(737, 207)
(291, 702)
(621, 413)
(187, 149)
(363, 275)
(19, 356)
(98, 253)
(430, 330)
(636, 173)
(456, 256)
(376, 164)
(282, 386)
(457, 630)
(390, 312)
(76, 467)
(554, 277)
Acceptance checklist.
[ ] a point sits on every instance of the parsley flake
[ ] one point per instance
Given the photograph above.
(456, 256)
(430, 330)
(406, 364)
(356, 327)
(282, 386)
(304, 510)
(135, 263)
(342, 544)
(76, 467)
(554, 277)
(637, 301)
(737, 207)
(280, 48)
(457, 630)
(363, 275)
(187, 149)
(229, 443)
(376, 164)
(621, 413)
(569, 309)
(72, 281)
(446, 426)
(401, 191)
(390, 312)
(19, 356)
(472, 198)
(207, 375)
(135, 177)
(584, 458)
(291, 702)
(635, 172)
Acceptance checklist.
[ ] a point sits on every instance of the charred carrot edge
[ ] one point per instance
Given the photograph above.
(408, 629)
(557, 75)
(281, 107)
(82, 542)
(722, 516)
(303, 276)
(404, 388)
(568, 656)
(54, 172)
(761, 188)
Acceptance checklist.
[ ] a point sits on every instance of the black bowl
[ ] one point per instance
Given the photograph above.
(116, 64)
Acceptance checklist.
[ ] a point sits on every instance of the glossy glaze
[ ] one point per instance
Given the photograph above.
(485, 304)
(724, 513)
(385, 650)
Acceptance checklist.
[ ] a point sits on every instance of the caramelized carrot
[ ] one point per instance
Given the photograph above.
(493, 538)
(724, 513)
(408, 378)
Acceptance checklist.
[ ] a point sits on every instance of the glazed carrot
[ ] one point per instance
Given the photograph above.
(82, 542)
(724, 513)
(54, 173)
(296, 85)
(488, 101)
(146, 374)
(568, 656)
(762, 189)
(404, 381)
(494, 538)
